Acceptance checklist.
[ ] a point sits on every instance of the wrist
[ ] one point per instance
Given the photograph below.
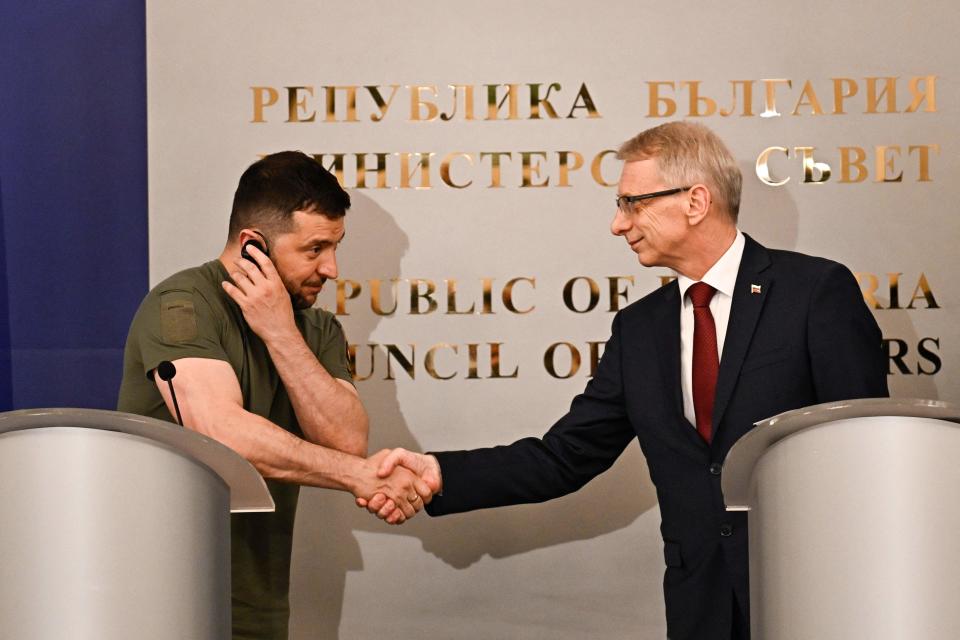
(279, 336)
(354, 475)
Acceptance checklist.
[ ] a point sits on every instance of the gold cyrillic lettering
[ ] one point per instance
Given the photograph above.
(889, 91)
(382, 105)
(763, 167)
(467, 102)
(417, 103)
(808, 97)
(886, 165)
(583, 96)
(494, 166)
(381, 170)
(331, 103)
(263, 97)
(747, 98)
(846, 162)
(566, 168)
(770, 96)
(445, 169)
(923, 159)
(928, 94)
(297, 103)
(656, 99)
(530, 169)
(596, 168)
(536, 101)
(406, 173)
(510, 97)
(843, 88)
(696, 99)
(813, 172)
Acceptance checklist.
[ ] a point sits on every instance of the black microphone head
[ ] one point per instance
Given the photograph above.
(166, 370)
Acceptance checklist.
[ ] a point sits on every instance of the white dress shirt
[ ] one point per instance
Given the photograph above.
(722, 276)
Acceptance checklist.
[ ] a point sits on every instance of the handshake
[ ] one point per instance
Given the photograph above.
(395, 484)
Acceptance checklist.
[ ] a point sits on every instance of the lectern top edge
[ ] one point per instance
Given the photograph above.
(743, 456)
(248, 491)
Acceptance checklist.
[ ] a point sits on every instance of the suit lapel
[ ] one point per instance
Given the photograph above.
(666, 336)
(749, 295)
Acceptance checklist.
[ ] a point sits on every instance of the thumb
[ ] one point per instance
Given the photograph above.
(431, 474)
(388, 464)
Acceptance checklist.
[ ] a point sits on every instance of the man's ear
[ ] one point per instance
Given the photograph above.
(249, 234)
(699, 202)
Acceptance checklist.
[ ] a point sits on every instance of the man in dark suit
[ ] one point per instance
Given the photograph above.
(745, 332)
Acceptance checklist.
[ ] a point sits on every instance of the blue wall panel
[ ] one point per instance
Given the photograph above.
(74, 188)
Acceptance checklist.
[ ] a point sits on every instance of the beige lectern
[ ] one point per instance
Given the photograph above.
(854, 520)
(116, 526)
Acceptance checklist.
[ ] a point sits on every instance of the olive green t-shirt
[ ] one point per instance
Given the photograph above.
(188, 315)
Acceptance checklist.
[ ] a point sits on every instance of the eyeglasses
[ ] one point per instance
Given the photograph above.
(625, 203)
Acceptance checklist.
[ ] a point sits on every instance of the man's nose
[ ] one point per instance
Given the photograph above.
(620, 223)
(328, 267)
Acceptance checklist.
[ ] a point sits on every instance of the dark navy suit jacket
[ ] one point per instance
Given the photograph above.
(807, 337)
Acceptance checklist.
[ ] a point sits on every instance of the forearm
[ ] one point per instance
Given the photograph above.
(329, 413)
(277, 454)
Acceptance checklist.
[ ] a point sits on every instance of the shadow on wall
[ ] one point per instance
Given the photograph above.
(911, 357)
(768, 214)
(326, 546)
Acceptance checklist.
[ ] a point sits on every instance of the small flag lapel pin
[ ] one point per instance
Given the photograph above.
(754, 288)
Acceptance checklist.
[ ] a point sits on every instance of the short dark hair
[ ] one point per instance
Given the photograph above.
(275, 186)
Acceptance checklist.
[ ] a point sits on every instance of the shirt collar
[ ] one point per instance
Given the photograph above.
(722, 276)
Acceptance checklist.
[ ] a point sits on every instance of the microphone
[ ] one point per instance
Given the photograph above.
(166, 371)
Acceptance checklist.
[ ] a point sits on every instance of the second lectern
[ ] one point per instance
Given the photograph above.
(854, 521)
(116, 526)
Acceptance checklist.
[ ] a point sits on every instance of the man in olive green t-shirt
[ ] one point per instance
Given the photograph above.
(260, 370)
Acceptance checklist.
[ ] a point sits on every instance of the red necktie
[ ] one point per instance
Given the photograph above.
(706, 360)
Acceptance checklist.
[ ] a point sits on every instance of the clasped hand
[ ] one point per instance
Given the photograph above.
(400, 492)
(400, 461)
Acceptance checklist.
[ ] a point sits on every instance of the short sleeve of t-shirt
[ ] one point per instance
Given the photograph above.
(178, 323)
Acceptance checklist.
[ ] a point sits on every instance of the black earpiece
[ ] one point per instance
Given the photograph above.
(253, 243)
